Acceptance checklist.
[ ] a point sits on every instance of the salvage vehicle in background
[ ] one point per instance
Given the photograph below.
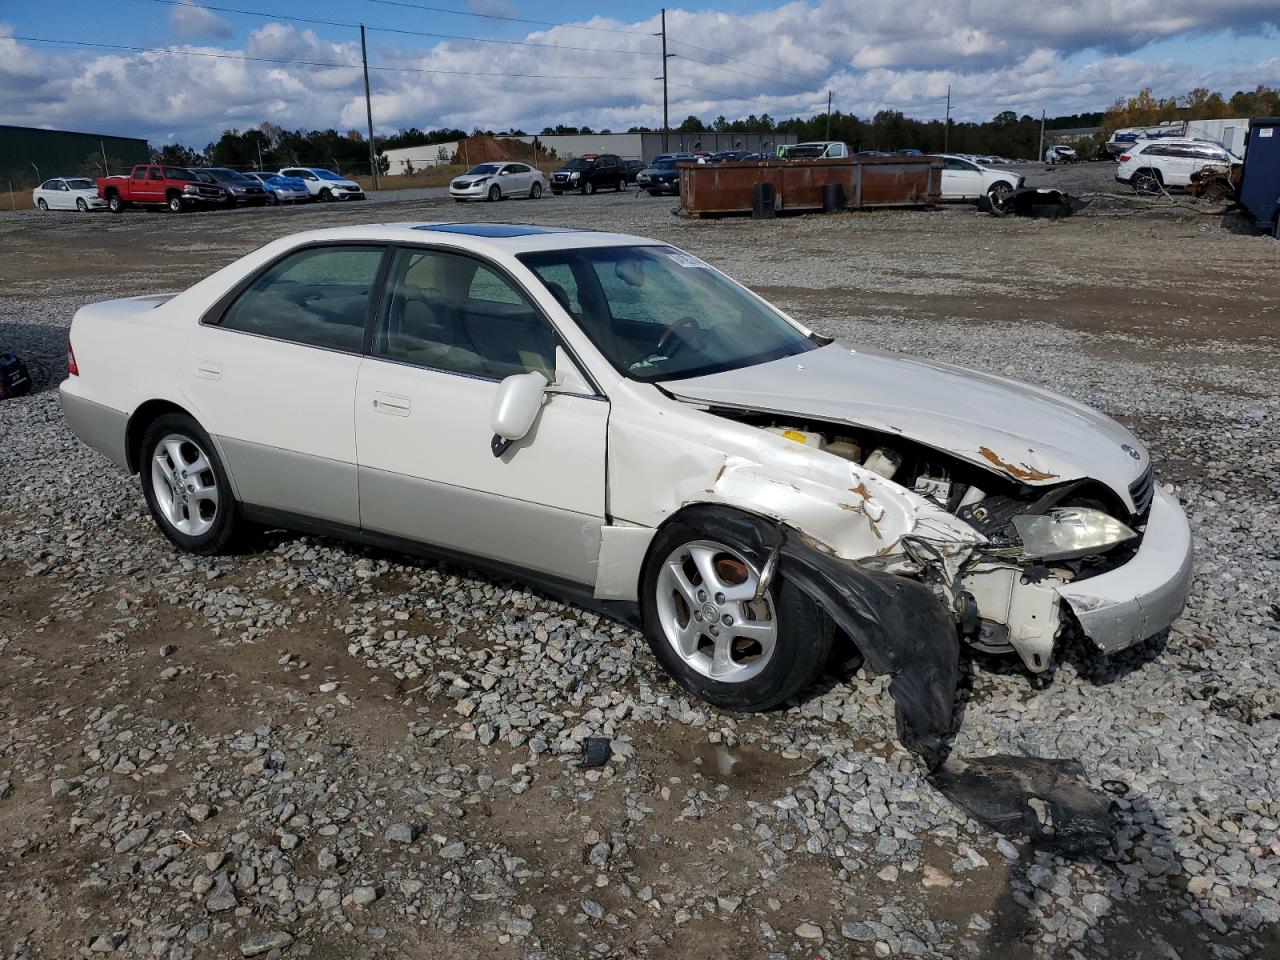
(965, 179)
(814, 150)
(1060, 154)
(1151, 165)
(589, 173)
(282, 189)
(617, 422)
(157, 185)
(68, 193)
(240, 189)
(497, 181)
(325, 184)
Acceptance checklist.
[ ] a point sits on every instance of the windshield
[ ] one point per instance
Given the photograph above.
(578, 164)
(659, 314)
(222, 173)
(484, 169)
(79, 184)
(327, 175)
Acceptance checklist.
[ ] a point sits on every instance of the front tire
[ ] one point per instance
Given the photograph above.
(186, 486)
(588, 188)
(495, 194)
(713, 638)
(535, 191)
(999, 195)
(82, 205)
(174, 203)
(326, 195)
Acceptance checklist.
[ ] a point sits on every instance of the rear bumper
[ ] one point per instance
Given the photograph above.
(1131, 603)
(100, 427)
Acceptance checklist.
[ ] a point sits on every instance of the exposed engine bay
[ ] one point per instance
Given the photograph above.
(1034, 535)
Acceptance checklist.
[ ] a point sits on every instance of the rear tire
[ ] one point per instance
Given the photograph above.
(762, 654)
(186, 486)
(43, 207)
(115, 204)
(1147, 182)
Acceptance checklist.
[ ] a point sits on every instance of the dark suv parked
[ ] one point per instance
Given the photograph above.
(589, 173)
(240, 189)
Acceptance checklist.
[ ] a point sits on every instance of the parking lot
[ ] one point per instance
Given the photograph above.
(335, 752)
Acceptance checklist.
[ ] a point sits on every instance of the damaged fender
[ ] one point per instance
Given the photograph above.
(899, 625)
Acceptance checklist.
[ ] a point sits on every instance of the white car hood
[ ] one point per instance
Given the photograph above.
(1026, 433)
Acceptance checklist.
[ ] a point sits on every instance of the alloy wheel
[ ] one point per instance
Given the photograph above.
(709, 613)
(184, 484)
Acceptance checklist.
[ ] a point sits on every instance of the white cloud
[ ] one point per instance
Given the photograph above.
(493, 8)
(191, 21)
(875, 54)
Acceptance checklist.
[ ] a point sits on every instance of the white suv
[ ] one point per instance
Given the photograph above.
(325, 184)
(1150, 165)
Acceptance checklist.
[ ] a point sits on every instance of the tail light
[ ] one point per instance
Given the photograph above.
(1125, 158)
(72, 369)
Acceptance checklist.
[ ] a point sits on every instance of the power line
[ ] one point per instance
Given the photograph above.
(498, 16)
(312, 63)
(750, 63)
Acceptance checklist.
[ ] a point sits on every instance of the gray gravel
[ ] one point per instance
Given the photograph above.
(318, 750)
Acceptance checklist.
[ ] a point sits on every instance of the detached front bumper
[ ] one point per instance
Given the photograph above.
(1125, 606)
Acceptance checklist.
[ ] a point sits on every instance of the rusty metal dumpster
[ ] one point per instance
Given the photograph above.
(719, 188)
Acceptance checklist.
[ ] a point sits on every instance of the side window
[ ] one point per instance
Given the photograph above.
(451, 312)
(140, 173)
(48, 185)
(155, 174)
(317, 297)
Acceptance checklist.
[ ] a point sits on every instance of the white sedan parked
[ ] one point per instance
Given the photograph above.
(497, 181)
(617, 422)
(68, 193)
(966, 179)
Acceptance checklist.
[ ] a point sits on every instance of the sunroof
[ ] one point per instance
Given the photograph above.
(493, 230)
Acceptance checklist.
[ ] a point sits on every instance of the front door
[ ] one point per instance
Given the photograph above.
(272, 375)
(961, 180)
(450, 329)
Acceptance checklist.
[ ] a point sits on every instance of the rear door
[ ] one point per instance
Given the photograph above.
(271, 372)
(451, 328)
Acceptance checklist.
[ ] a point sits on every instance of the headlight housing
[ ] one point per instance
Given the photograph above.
(574, 175)
(1065, 533)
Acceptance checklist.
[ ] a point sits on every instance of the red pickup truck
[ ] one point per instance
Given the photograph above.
(154, 185)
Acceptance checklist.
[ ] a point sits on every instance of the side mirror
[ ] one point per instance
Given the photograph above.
(515, 408)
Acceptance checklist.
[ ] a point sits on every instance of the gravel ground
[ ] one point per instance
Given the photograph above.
(318, 750)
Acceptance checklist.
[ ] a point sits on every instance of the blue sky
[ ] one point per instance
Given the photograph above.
(734, 57)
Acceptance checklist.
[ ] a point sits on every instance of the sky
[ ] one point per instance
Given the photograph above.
(177, 71)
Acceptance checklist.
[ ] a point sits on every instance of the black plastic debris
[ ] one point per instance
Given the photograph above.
(1047, 801)
(596, 752)
(1033, 202)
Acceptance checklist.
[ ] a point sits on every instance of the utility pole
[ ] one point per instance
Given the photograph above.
(828, 136)
(946, 126)
(666, 123)
(1040, 155)
(105, 171)
(368, 111)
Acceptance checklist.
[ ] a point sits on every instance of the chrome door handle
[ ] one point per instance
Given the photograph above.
(392, 404)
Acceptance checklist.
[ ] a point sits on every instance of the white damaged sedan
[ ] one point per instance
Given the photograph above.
(615, 421)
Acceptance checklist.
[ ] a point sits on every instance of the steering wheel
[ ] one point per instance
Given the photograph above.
(674, 334)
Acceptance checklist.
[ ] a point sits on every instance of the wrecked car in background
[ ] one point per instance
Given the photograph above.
(616, 421)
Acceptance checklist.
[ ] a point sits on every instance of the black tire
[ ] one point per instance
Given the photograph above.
(82, 205)
(620, 186)
(273, 200)
(1147, 182)
(535, 191)
(495, 194)
(227, 525)
(43, 207)
(325, 195)
(998, 194)
(114, 203)
(803, 644)
(174, 203)
(588, 188)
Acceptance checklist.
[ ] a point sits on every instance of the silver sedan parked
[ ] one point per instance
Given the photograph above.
(496, 181)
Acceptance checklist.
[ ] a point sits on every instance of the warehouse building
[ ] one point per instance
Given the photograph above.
(629, 146)
(30, 155)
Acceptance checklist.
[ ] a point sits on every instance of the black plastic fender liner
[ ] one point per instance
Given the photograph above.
(899, 625)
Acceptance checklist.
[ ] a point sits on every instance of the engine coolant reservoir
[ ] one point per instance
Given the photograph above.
(802, 437)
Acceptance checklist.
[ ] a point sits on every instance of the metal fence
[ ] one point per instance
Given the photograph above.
(29, 156)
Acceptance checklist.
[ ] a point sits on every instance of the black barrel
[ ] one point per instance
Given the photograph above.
(762, 201)
(833, 198)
